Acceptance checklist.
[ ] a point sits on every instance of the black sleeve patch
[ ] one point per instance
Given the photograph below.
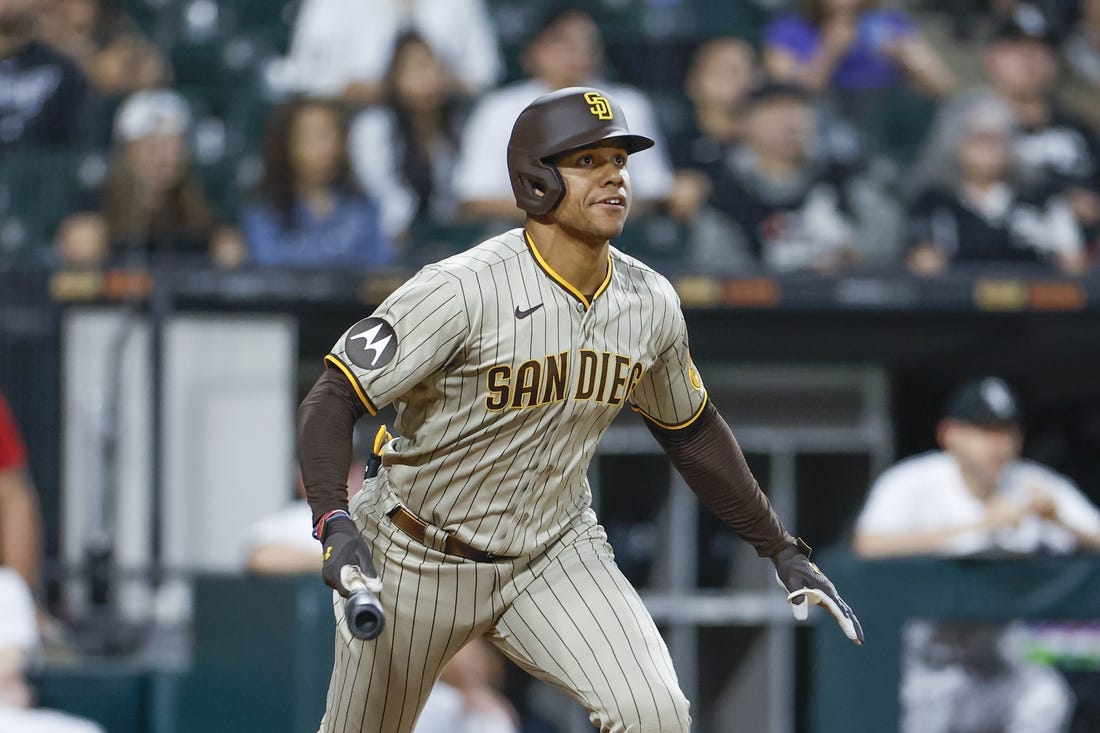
(371, 343)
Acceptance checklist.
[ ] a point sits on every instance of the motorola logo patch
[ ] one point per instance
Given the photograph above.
(371, 343)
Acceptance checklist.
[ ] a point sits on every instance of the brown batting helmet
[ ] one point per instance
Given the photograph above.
(555, 123)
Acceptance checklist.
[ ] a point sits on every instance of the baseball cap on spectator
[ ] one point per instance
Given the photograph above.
(1027, 23)
(987, 401)
(159, 111)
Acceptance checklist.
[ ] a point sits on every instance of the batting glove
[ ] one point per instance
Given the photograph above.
(344, 546)
(806, 585)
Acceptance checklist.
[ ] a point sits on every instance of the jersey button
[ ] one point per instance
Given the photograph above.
(580, 307)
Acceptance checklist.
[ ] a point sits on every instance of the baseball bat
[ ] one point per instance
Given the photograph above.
(363, 613)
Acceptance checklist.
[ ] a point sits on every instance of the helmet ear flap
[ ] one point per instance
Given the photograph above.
(542, 186)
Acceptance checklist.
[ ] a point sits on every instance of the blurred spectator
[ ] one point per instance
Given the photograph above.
(1054, 149)
(1080, 89)
(467, 696)
(1081, 48)
(43, 95)
(976, 209)
(152, 202)
(976, 495)
(20, 524)
(404, 151)
(564, 50)
(721, 73)
(852, 46)
(780, 203)
(113, 54)
(18, 642)
(973, 678)
(310, 211)
(341, 48)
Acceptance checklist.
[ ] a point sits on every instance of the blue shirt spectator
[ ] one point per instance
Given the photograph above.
(865, 66)
(849, 46)
(349, 234)
(310, 211)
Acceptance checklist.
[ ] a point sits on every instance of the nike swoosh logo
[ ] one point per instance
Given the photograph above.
(529, 311)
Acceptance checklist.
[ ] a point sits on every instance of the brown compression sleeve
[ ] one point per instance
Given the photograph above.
(326, 424)
(708, 457)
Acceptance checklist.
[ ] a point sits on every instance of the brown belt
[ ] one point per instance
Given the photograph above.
(416, 528)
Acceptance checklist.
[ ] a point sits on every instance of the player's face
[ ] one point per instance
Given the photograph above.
(597, 193)
(983, 452)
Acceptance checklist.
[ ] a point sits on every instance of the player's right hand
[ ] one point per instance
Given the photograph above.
(343, 545)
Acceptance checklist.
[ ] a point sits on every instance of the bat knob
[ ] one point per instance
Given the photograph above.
(364, 615)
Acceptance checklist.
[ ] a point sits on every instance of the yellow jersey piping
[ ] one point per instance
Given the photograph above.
(562, 281)
(660, 424)
(334, 361)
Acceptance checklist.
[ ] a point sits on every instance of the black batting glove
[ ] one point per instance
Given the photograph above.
(343, 545)
(807, 585)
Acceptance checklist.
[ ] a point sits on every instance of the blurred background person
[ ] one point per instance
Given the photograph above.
(976, 209)
(970, 678)
(310, 211)
(105, 43)
(563, 50)
(44, 97)
(975, 495)
(19, 643)
(1080, 50)
(152, 202)
(719, 77)
(404, 150)
(20, 523)
(341, 48)
(1054, 148)
(779, 203)
(852, 46)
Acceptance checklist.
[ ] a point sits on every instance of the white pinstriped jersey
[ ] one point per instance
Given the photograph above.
(504, 377)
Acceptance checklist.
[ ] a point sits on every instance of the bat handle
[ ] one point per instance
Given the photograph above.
(363, 613)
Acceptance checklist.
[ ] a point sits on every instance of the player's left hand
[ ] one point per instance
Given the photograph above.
(806, 585)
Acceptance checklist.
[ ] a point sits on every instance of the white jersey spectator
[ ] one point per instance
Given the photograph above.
(564, 51)
(448, 712)
(927, 493)
(404, 149)
(341, 43)
(18, 642)
(976, 496)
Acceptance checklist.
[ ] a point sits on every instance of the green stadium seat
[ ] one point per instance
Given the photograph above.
(39, 187)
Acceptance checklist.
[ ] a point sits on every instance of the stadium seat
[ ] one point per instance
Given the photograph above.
(38, 188)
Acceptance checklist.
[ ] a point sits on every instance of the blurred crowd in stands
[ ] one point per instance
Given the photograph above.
(815, 135)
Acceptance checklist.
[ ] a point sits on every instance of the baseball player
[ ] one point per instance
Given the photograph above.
(506, 363)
